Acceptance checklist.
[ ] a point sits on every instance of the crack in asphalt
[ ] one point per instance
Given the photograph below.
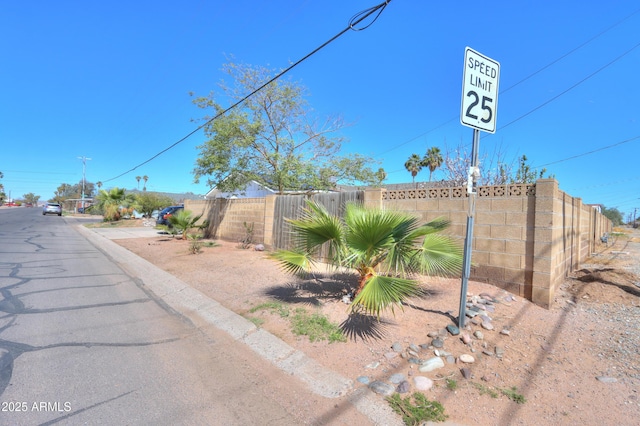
(13, 306)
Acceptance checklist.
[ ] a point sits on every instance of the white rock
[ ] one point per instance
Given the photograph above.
(422, 383)
(466, 358)
(487, 325)
(431, 364)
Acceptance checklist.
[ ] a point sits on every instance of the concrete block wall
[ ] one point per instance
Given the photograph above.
(527, 237)
(501, 255)
(567, 232)
(227, 217)
(548, 234)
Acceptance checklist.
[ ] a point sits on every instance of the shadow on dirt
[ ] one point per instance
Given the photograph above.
(364, 327)
(313, 290)
(317, 289)
(625, 281)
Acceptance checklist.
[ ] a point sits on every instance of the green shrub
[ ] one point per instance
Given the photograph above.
(316, 327)
(417, 409)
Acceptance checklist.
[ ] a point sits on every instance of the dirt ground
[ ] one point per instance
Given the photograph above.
(577, 363)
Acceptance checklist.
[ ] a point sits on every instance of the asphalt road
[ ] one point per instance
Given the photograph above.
(83, 341)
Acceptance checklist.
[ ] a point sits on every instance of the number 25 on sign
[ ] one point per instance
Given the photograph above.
(479, 91)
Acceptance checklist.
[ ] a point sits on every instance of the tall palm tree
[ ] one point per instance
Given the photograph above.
(413, 166)
(432, 159)
(138, 179)
(385, 248)
(145, 178)
(99, 184)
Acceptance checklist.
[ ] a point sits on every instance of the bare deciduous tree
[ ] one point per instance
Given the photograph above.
(494, 170)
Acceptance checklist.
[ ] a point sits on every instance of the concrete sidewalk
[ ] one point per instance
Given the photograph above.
(123, 233)
(202, 310)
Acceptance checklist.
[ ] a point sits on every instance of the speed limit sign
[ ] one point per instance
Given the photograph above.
(479, 91)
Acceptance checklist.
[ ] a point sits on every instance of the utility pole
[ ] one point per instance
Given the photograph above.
(84, 169)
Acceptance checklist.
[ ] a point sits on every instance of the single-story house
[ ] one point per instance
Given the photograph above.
(252, 190)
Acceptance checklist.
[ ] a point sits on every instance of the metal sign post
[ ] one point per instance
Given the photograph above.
(474, 173)
(478, 110)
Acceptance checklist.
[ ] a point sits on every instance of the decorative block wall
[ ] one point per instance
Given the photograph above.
(527, 237)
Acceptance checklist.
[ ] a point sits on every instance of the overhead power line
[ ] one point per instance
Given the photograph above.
(572, 87)
(353, 25)
(570, 52)
(590, 152)
(525, 79)
(553, 99)
(567, 158)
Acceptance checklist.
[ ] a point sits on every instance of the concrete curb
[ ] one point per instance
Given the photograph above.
(202, 310)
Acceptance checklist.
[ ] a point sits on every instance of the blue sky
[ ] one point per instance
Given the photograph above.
(111, 80)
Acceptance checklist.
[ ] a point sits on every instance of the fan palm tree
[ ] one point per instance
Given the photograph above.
(385, 249)
(182, 222)
(109, 202)
(145, 178)
(138, 179)
(413, 166)
(432, 159)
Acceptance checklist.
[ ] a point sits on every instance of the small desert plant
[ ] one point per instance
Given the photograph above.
(247, 239)
(512, 394)
(316, 327)
(274, 307)
(183, 222)
(484, 390)
(452, 384)
(195, 245)
(417, 409)
(256, 321)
